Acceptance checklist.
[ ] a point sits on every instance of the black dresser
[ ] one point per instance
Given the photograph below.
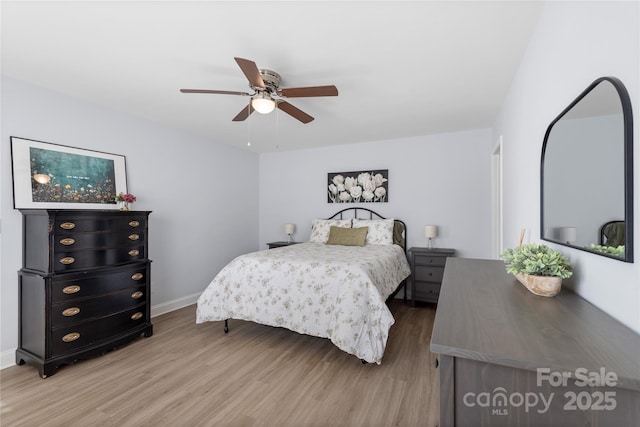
(84, 286)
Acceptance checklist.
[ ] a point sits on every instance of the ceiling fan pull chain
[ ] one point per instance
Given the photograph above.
(249, 125)
(277, 129)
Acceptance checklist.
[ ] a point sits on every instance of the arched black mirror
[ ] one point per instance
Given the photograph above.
(586, 174)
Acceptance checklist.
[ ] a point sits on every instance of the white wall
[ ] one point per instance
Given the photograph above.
(195, 220)
(442, 179)
(439, 179)
(573, 45)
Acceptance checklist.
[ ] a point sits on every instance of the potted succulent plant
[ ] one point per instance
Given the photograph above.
(538, 267)
(609, 250)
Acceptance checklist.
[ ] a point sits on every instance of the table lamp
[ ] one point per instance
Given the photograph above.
(289, 229)
(430, 232)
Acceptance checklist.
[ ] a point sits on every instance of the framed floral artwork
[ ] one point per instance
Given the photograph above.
(358, 187)
(51, 176)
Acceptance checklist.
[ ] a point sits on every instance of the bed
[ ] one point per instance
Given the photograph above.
(320, 288)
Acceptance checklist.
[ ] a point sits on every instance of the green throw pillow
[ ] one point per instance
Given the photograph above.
(347, 236)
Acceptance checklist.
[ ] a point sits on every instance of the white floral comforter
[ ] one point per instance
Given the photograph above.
(329, 291)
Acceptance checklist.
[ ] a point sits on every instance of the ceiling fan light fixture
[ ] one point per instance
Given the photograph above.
(263, 104)
(268, 94)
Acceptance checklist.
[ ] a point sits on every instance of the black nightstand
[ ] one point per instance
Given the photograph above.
(427, 268)
(273, 245)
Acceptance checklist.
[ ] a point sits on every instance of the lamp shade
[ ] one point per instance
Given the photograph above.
(263, 105)
(430, 231)
(567, 234)
(289, 228)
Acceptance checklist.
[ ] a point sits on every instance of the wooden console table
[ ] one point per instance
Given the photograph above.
(510, 358)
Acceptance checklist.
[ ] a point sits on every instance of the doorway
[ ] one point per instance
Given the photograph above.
(496, 199)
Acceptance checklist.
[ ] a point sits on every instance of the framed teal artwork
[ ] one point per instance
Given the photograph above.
(52, 176)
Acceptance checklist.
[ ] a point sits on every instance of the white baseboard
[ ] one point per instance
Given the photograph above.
(8, 358)
(176, 304)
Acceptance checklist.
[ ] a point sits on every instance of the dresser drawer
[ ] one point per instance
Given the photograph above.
(68, 261)
(68, 313)
(88, 285)
(73, 241)
(436, 261)
(428, 274)
(70, 223)
(64, 340)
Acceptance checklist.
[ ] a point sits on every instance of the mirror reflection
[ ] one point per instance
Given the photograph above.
(586, 173)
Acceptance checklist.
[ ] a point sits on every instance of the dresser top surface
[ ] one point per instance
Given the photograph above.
(485, 314)
(80, 212)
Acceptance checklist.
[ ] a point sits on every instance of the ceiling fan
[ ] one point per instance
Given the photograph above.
(267, 93)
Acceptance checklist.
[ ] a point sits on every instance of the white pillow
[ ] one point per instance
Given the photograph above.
(320, 228)
(380, 230)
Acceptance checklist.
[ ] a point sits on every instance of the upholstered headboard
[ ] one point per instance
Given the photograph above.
(399, 227)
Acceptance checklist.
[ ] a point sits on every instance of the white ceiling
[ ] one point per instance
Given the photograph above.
(402, 68)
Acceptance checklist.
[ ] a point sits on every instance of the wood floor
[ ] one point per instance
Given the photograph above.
(195, 375)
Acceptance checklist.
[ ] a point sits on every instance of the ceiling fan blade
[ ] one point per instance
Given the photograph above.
(221, 92)
(244, 113)
(299, 92)
(250, 70)
(294, 112)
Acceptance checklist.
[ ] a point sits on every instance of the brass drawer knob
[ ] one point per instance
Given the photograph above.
(134, 223)
(68, 241)
(137, 276)
(137, 295)
(134, 236)
(67, 225)
(67, 260)
(136, 316)
(71, 289)
(71, 311)
(71, 337)
(134, 252)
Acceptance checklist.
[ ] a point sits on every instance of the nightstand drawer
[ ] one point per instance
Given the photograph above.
(427, 289)
(428, 274)
(436, 261)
